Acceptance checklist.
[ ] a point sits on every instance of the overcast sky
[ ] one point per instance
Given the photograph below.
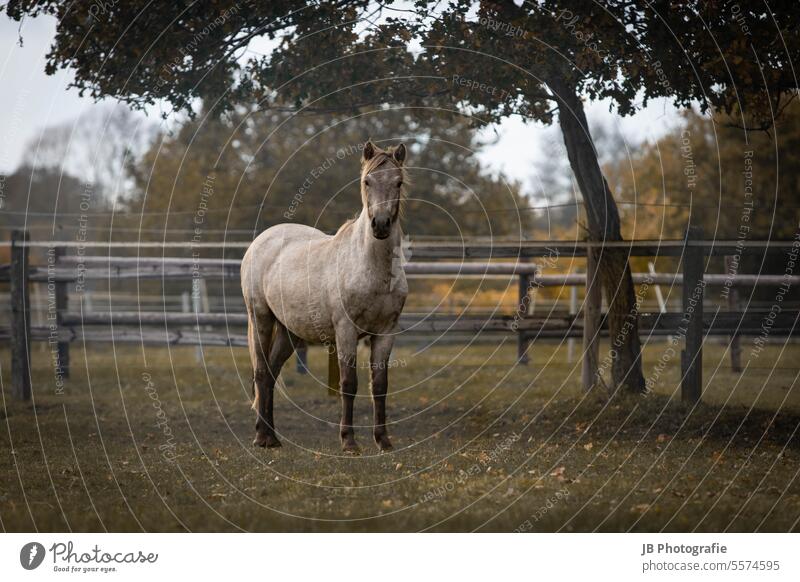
(30, 101)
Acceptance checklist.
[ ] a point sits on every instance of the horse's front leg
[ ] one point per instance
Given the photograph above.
(379, 368)
(346, 346)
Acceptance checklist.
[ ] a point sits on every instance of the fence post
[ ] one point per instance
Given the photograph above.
(693, 292)
(733, 305)
(196, 307)
(20, 317)
(62, 305)
(662, 305)
(591, 321)
(522, 311)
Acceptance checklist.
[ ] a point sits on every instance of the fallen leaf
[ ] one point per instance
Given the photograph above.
(588, 446)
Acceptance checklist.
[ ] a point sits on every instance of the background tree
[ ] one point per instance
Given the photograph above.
(50, 202)
(736, 184)
(39, 196)
(252, 169)
(531, 60)
(96, 147)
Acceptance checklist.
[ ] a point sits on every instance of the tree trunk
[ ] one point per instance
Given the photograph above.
(603, 225)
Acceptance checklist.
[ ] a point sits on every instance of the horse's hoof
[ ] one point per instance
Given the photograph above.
(351, 449)
(384, 444)
(266, 441)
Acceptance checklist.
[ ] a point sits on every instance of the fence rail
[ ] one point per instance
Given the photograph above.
(431, 259)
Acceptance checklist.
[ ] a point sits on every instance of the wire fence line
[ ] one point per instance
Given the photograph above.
(467, 248)
(531, 208)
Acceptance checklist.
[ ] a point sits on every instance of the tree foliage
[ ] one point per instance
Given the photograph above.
(734, 57)
(738, 184)
(253, 169)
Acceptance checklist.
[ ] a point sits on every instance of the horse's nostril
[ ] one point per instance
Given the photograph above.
(374, 223)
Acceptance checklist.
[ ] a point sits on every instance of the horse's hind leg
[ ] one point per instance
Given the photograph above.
(283, 345)
(259, 336)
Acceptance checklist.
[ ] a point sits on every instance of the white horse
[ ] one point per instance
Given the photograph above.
(301, 285)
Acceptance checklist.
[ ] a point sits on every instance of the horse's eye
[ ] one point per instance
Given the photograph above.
(366, 182)
(399, 184)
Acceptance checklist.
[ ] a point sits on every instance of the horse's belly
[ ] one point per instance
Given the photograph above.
(303, 314)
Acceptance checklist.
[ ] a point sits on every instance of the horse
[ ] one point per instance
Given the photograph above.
(301, 285)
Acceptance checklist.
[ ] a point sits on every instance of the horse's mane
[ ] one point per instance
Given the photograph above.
(348, 223)
(372, 164)
(378, 159)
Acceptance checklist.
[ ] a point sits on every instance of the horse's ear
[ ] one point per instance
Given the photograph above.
(399, 153)
(369, 151)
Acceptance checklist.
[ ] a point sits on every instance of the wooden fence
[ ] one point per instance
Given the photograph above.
(692, 324)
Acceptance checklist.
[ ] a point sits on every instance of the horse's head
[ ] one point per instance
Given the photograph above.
(382, 177)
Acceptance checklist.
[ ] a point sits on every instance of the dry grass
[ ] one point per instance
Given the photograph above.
(479, 444)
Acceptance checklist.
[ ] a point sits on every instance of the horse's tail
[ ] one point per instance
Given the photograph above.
(250, 342)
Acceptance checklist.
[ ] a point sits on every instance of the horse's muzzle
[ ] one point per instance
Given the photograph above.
(381, 227)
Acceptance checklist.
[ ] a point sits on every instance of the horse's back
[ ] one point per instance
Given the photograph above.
(286, 233)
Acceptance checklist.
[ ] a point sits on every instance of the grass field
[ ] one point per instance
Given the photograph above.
(156, 441)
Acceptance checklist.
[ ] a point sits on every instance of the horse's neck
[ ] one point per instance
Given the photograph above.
(376, 255)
